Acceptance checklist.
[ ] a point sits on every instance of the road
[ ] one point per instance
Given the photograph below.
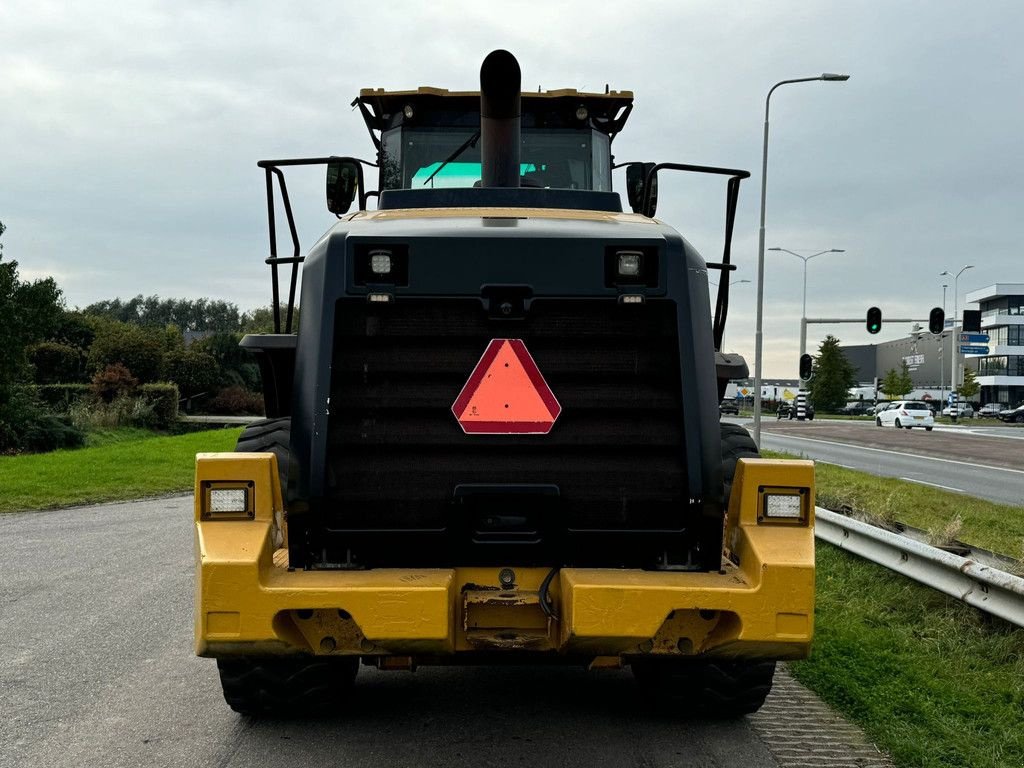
(982, 461)
(98, 670)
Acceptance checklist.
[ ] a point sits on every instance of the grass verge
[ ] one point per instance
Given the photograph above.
(120, 464)
(931, 680)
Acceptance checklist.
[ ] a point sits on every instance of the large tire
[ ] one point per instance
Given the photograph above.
(269, 436)
(717, 689)
(287, 685)
(736, 444)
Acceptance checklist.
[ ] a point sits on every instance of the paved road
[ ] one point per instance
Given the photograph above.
(985, 462)
(97, 669)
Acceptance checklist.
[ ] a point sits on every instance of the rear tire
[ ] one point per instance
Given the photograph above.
(1019, 418)
(736, 444)
(928, 429)
(287, 684)
(898, 425)
(717, 689)
(269, 436)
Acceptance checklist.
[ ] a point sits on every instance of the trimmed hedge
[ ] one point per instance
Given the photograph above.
(164, 399)
(59, 397)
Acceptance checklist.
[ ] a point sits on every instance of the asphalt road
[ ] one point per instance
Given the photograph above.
(984, 462)
(97, 669)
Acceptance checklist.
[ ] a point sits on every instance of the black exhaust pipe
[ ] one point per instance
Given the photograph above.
(500, 81)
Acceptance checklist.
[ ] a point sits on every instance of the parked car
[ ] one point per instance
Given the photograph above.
(906, 414)
(788, 411)
(992, 409)
(1015, 415)
(963, 411)
(729, 406)
(860, 408)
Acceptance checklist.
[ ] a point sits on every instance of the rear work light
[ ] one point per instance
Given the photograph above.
(629, 263)
(228, 500)
(380, 262)
(784, 505)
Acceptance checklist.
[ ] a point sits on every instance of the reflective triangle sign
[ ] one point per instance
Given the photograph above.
(506, 394)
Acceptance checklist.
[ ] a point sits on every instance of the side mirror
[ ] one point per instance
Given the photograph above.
(344, 177)
(636, 178)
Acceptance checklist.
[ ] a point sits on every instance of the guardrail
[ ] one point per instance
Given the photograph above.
(979, 585)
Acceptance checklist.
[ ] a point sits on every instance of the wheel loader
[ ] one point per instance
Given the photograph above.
(494, 438)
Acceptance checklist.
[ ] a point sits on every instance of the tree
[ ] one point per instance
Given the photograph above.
(138, 349)
(833, 377)
(194, 372)
(970, 387)
(896, 384)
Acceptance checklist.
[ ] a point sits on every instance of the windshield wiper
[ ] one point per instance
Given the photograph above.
(471, 142)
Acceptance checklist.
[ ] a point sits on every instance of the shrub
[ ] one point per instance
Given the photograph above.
(163, 398)
(193, 371)
(236, 401)
(138, 349)
(59, 397)
(112, 382)
(54, 362)
(25, 426)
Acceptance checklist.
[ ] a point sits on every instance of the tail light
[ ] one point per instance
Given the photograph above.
(903, 412)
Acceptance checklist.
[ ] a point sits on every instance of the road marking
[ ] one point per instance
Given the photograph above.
(896, 453)
(934, 485)
(837, 464)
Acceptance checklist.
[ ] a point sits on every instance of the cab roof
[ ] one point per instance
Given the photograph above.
(383, 110)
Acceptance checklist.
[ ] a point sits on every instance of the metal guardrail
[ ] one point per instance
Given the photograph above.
(984, 587)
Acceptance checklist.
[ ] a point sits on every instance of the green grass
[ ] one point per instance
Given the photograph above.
(930, 680)
(944, 514)
(119, 464)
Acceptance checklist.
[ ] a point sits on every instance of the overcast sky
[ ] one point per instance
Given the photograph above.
(129, 135)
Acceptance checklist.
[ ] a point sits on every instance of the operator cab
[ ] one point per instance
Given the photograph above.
(430, 138)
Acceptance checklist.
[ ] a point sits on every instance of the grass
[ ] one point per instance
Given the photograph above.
(997, 527)
(931, 680)
(116, 464)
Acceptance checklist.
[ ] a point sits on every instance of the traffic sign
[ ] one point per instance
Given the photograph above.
(506, 394)
(974, 338)
(973, 350)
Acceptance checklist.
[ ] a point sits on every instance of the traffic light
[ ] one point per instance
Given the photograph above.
(937, 320)
(806, 367)
(972, 321)
(874, 320)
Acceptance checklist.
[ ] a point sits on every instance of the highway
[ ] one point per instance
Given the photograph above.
(982, 461)
(98, 669)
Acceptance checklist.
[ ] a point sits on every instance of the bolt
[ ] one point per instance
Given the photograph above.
(327, 645)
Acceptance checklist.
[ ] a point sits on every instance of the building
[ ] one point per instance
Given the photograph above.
(1001, 371)
(926, 356)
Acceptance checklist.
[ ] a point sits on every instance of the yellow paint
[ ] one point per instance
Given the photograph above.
(759, 606)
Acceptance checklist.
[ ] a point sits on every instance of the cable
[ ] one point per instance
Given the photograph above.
(545, 604)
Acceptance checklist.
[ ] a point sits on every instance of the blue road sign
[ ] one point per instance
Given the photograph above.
(973, 350)
(974, 338)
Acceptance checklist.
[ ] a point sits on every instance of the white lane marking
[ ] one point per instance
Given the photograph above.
(933, 485)
(896, 453)
(836, 464)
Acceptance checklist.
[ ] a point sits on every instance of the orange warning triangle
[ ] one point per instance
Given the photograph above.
(506, 394)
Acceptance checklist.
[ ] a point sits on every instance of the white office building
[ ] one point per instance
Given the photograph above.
(1001, 371)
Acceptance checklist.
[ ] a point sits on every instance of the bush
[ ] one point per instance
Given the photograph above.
(26, 426)
(140, 350)
(193, 371)
(236, 401)
(112, 382)
(54, 362)
(59, 397)
(163, 398)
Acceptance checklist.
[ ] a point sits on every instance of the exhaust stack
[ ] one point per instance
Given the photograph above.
(500, 85)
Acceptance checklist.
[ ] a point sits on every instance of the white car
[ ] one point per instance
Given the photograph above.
(906, 414)
(963, 411)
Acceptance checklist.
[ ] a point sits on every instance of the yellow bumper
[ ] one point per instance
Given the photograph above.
(760, 605)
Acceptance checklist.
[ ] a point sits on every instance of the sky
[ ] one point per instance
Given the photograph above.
(129, 135)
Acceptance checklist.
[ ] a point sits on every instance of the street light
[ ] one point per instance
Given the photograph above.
(942, 369)
(827, 77)
(954, 352)
(803, 317)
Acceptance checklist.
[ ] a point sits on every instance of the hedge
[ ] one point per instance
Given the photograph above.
(164, 399)
(59, 397)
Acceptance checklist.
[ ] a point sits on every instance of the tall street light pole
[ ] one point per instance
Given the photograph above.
(942, 333)
(954, 351)
(803, 317)
(758, 333)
